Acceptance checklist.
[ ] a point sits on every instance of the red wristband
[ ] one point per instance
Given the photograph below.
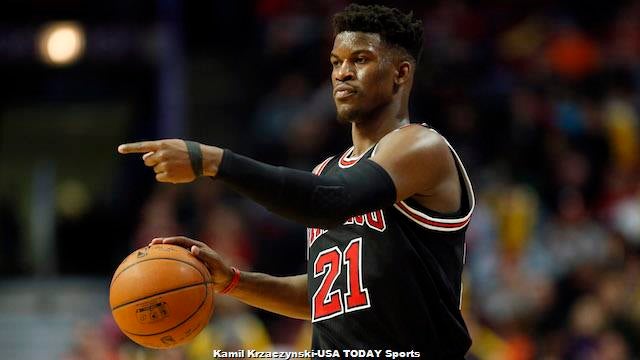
(234, 281)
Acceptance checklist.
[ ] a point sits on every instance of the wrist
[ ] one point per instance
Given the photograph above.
(211, 159)
(235, 279)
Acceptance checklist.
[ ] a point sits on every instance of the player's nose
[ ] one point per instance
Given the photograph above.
(345, 72)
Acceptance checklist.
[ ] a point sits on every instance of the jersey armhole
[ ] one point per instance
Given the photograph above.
(433, 220)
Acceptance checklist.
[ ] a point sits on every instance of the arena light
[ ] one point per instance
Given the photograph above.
(61, 43)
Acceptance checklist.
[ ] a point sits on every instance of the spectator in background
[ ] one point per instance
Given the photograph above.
(158, 216)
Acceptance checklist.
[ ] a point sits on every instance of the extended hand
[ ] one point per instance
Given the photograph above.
(221, 273)
(170, 159)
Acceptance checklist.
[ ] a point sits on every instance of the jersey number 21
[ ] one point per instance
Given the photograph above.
(327, 303)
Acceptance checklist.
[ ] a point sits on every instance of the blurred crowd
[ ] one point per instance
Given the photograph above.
(542, 102)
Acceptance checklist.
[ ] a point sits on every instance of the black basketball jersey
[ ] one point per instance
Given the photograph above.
(390, 279)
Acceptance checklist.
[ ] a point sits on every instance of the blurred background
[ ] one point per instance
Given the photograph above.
(540, 98)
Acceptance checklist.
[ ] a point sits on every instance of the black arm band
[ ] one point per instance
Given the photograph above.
(195, 155)
(315, 201)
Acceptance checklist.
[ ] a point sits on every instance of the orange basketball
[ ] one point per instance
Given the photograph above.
(161, 296)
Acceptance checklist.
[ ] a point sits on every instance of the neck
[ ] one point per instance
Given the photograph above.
(368, 132)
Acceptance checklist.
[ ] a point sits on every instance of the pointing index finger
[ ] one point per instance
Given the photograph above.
(138, 147)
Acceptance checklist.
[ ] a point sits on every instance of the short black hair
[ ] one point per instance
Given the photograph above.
(395, 27)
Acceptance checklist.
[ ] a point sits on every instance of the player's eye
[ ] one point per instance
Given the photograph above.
(335, 63)
(361, 60)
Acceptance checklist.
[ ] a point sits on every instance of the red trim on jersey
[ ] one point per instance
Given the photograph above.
(318, 169)
(346, 161)
(424, 220)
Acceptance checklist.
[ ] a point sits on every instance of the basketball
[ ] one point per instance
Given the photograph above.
(161, 296)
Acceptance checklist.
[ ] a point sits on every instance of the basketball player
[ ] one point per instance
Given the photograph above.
(386, 219)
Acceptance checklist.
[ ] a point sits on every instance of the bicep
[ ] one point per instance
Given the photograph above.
(416, 161)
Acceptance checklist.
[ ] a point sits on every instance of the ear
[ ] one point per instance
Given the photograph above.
(403, 72)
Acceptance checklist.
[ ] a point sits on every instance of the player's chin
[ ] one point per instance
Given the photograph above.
(347, 114)
(344, 112)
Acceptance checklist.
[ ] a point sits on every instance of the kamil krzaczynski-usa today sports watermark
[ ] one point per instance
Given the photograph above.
(329, 354)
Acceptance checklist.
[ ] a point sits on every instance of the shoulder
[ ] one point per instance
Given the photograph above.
(417, 158)
(414, 140)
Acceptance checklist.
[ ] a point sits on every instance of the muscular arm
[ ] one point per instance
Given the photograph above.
(412, 161)
(281, 295)
(315, 201)
(421, 165)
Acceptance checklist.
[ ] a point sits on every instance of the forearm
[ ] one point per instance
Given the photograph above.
(281, 295)
(314, 201)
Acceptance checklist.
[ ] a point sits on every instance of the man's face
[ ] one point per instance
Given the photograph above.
(362, 75)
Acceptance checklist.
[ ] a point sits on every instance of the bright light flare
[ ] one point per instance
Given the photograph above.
(61, 43)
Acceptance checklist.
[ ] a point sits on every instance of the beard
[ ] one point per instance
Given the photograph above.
(359, 114)
(348, 116)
